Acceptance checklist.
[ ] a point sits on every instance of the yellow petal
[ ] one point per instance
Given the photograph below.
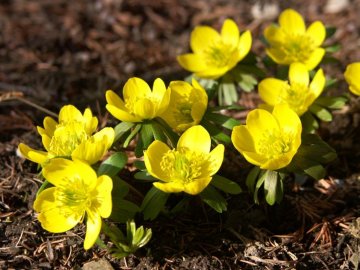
(195, 138)
(196, 186)
(93, 227)
(298, 74)
(270, 89)
(59, 170)
(113, 99)
(103, 189)
(244, 46)
(315, 58)
(292, 22)
(278, 163)
(216, 157)
(274, 35)
(153, 156)
(254, 158)
(36, 156)
(352, 77)
(317, 32)
(203, 37)
(288, 120)
(318, 83)
(242, 139)
(164, 104)
(278, 56)
(145, 109)
(124, 116)
(46, 140)
(230, 33)
(70, 113)
(53, 216)
(171, 187)
(258, 122)
(212, 72)
(192, 62)
(136, 87)
(90, 151)
(49, 125)
(91, 122)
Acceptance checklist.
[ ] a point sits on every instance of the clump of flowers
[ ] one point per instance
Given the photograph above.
(352, 76)
(291, 42)
(188, 103)
(72, 137)
(299, 93)
(215, 53)
(77, 193)
(139, 103)
(269, 140)
(189, 167)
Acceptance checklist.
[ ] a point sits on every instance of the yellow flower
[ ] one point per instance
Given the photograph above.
(71, 137)
(187, 105)
(291, 42)
(187, 168)
(77, 190)
(140, 103)
(352, 77)
(269, 140)
(298, 93)
(215, 53)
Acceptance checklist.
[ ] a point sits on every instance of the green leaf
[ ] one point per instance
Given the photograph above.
(259, 183)
(121, 129)
(330, 83)
(309, 123)
(270, 186)
(227, 91)
(333, 49)
(224, 120)
(144, 175)
(123, 210)
(321, 113)
(247, 82)
(113, 164)
(139, 164)
(251, 178)
(316, 171)
(330, 31)
(146, 134)
(153, 203)
(214, 199)
(120, 188)
(332, 102)
(215, 132)
(225, 185)
(43, 186)
(132, 135)
(158, 133)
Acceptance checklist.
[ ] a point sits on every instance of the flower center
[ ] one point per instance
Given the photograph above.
(73, 198)
(67, 137)
(298, 48)
(273, 144)
(295, 95)
(183, 165)
(219, 54)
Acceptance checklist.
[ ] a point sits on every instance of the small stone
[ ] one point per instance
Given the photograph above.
(101, 264)
(335, 6)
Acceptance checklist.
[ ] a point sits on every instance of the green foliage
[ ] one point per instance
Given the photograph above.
(113, 164)
(128, 243)
(153, 203)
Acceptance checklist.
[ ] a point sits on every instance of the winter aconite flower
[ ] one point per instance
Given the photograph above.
(72, 137)
(291, 42)
(139, 103)
(187, 105)
(187, 168)
(269, 140)
(352, 77)
(77, 191)
(215, 53)
(299, 93)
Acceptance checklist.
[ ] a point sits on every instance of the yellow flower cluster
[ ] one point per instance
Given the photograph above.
(269, 139)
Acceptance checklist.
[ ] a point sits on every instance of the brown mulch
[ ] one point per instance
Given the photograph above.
(55, 52)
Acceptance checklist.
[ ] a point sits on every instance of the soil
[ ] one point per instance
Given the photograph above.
(56, 52)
